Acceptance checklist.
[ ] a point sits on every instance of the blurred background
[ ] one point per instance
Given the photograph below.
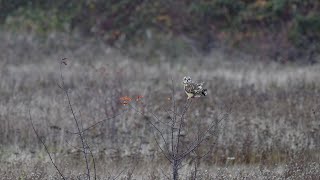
(274, 30)
(259, 58)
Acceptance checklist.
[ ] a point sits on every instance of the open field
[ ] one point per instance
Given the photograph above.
(272, 130)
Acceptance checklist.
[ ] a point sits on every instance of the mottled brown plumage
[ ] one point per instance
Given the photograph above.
(193, 89)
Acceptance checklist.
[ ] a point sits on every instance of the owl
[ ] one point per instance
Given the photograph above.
(193, 89)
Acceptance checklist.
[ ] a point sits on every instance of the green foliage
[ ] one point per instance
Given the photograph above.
(305, 31)
(39, 16)
(277, 6)
(218, 12)
(36, 20)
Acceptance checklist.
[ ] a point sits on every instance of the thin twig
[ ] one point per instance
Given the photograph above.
(119, 174)
(200, 157)
(75, 147)
(93, 161)
(174, 100)
(92, 157)
(93, 125)
(45, 147)
(164, 173)
(157, 118)
(175, 114)
(187, 105)
(75, 120)
(175, 117)
(163, 152)
(160, 132)
(203, 136)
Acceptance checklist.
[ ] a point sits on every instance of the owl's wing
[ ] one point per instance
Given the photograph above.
(200, 85)
(191, 88)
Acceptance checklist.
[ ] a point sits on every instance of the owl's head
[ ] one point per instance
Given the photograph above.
(186, 80)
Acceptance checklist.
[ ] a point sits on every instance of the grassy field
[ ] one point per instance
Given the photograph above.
(272, 129)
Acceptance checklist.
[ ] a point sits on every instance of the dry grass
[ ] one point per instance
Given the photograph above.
(272, 131)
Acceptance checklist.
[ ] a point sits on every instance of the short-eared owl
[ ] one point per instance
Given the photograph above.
(193, 89)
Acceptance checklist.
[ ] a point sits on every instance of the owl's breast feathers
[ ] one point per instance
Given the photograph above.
(191, 88)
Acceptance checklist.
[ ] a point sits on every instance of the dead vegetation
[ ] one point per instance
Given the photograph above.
(272, 131)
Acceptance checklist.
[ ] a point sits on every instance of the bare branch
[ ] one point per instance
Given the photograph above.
(173, 100)
(163, 152)
(45, 147)
(93, 161)
(87, 145)
(157, 118)
(174, 114)
(77, 148)
(119, 174)
(75, 120)
(202, 156)
(203, 136)
(164, 173)
(95, 124)
(187, 105)
(160, 132)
